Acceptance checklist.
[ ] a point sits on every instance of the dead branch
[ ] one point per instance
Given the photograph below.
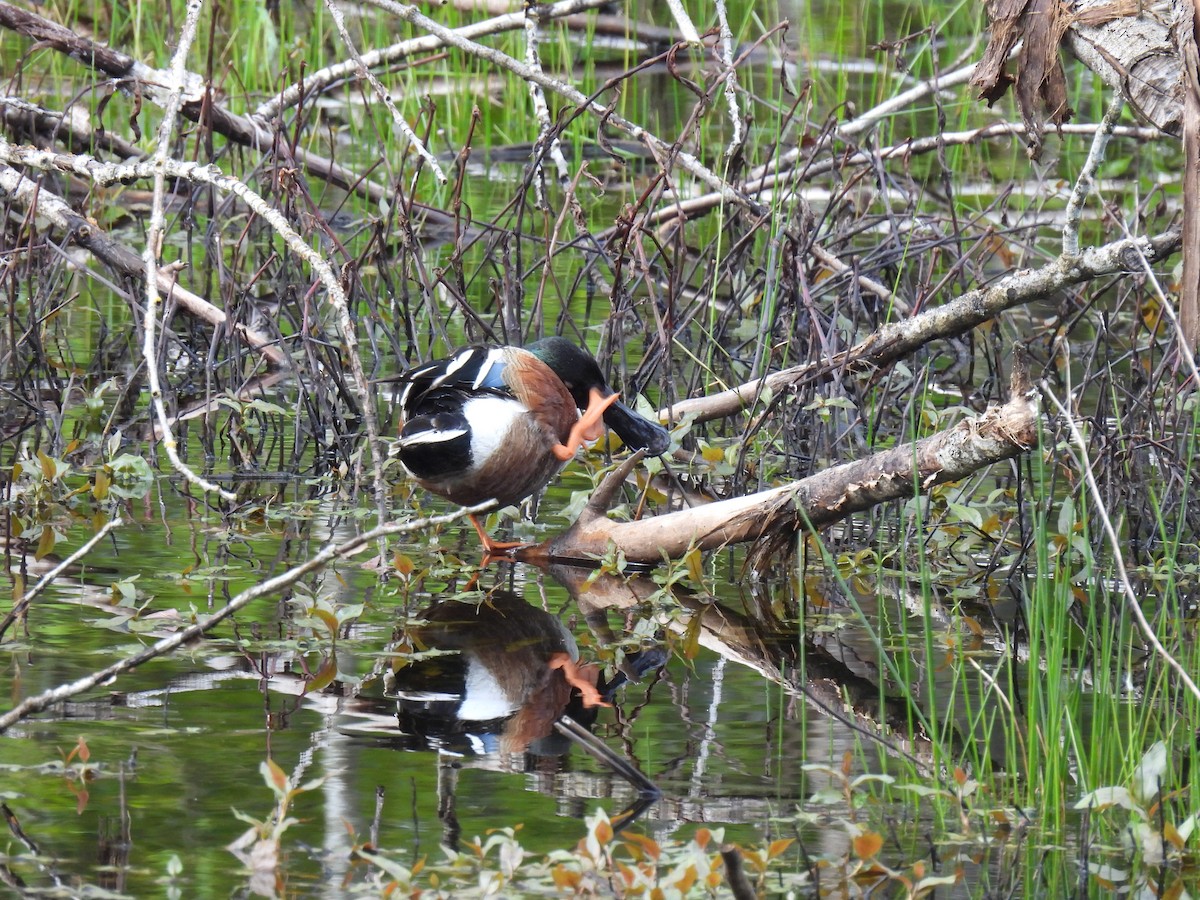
(954, 318)
(1000, 433)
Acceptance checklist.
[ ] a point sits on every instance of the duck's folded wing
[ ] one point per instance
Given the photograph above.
(469, 369)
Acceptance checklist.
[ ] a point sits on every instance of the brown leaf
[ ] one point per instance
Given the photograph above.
(868, 844)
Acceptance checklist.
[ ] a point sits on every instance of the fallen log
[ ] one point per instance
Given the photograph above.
(1000, 433)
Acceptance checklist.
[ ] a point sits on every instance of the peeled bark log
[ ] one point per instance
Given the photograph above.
(819, 500)
(1133, 54)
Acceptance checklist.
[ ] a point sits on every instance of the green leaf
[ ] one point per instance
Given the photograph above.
(132, 476)
(968, 514)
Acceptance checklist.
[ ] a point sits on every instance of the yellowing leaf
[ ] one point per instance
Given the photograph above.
(45, 544)
(777, 847)
(868, 844)
(274, 776)
(687, 879)
(695, 565)
(329, 619)
(604, 831)
(1172, 835)
(640, 843)
(100, 485)
(323, 678)
(567, 879)
(403, 564)
(49, 469)
(691, 638)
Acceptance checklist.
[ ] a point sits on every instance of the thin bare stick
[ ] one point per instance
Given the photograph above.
(686, 160)
(546, 132)
(110, 173)
(326, 555)
(725, 54)
(48, 579)
(153, 249)
(317, 81)
(687, 30)
(1085, 467)
(398, 120)
(784, 170)
(1086, 180)
(959, 315)
(1186, 352)
(57, 212)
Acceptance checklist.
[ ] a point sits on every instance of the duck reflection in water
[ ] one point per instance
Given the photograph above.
(512, 672)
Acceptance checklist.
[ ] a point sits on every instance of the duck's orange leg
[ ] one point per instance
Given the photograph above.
(494, 550)
(589, 427)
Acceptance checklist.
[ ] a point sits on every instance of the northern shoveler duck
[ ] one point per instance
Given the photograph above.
(499, 423)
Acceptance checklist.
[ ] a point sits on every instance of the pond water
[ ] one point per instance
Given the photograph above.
(395, 753)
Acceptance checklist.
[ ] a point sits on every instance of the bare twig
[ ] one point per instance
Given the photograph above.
(109, 173)
(1086, 180)
(176, 82)
(402, 126)
(897, 339)
(546, 132)
(725, 53)
(687, 30)
(315, 82)
(48, 579)
(686, 160)
(1186, 352)
(55, 210)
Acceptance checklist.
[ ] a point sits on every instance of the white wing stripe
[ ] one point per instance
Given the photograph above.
(433, 437)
